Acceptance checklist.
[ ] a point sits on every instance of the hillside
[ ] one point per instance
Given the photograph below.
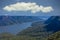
(36, 31)
(6, 36)
(54, 36)
(43, 29)
(53, 24)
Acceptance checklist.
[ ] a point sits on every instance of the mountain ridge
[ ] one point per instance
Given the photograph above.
(10, 20)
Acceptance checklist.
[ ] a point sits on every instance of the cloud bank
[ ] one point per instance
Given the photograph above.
(23, 6)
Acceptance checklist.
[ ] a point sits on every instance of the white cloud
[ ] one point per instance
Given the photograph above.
(23, 6)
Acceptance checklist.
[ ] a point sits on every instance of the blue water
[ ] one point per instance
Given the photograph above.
(14, 29)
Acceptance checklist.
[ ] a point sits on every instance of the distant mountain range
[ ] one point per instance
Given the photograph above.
(9, 20)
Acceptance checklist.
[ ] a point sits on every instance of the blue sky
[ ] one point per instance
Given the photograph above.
(55, 4)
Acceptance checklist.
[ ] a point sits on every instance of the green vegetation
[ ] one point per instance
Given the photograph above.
(22, 38)
(55, 36)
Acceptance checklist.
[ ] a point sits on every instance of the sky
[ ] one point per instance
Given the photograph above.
(30, 7)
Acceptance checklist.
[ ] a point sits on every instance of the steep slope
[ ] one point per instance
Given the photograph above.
(43, 29)
(53, 24)
(37, 30)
